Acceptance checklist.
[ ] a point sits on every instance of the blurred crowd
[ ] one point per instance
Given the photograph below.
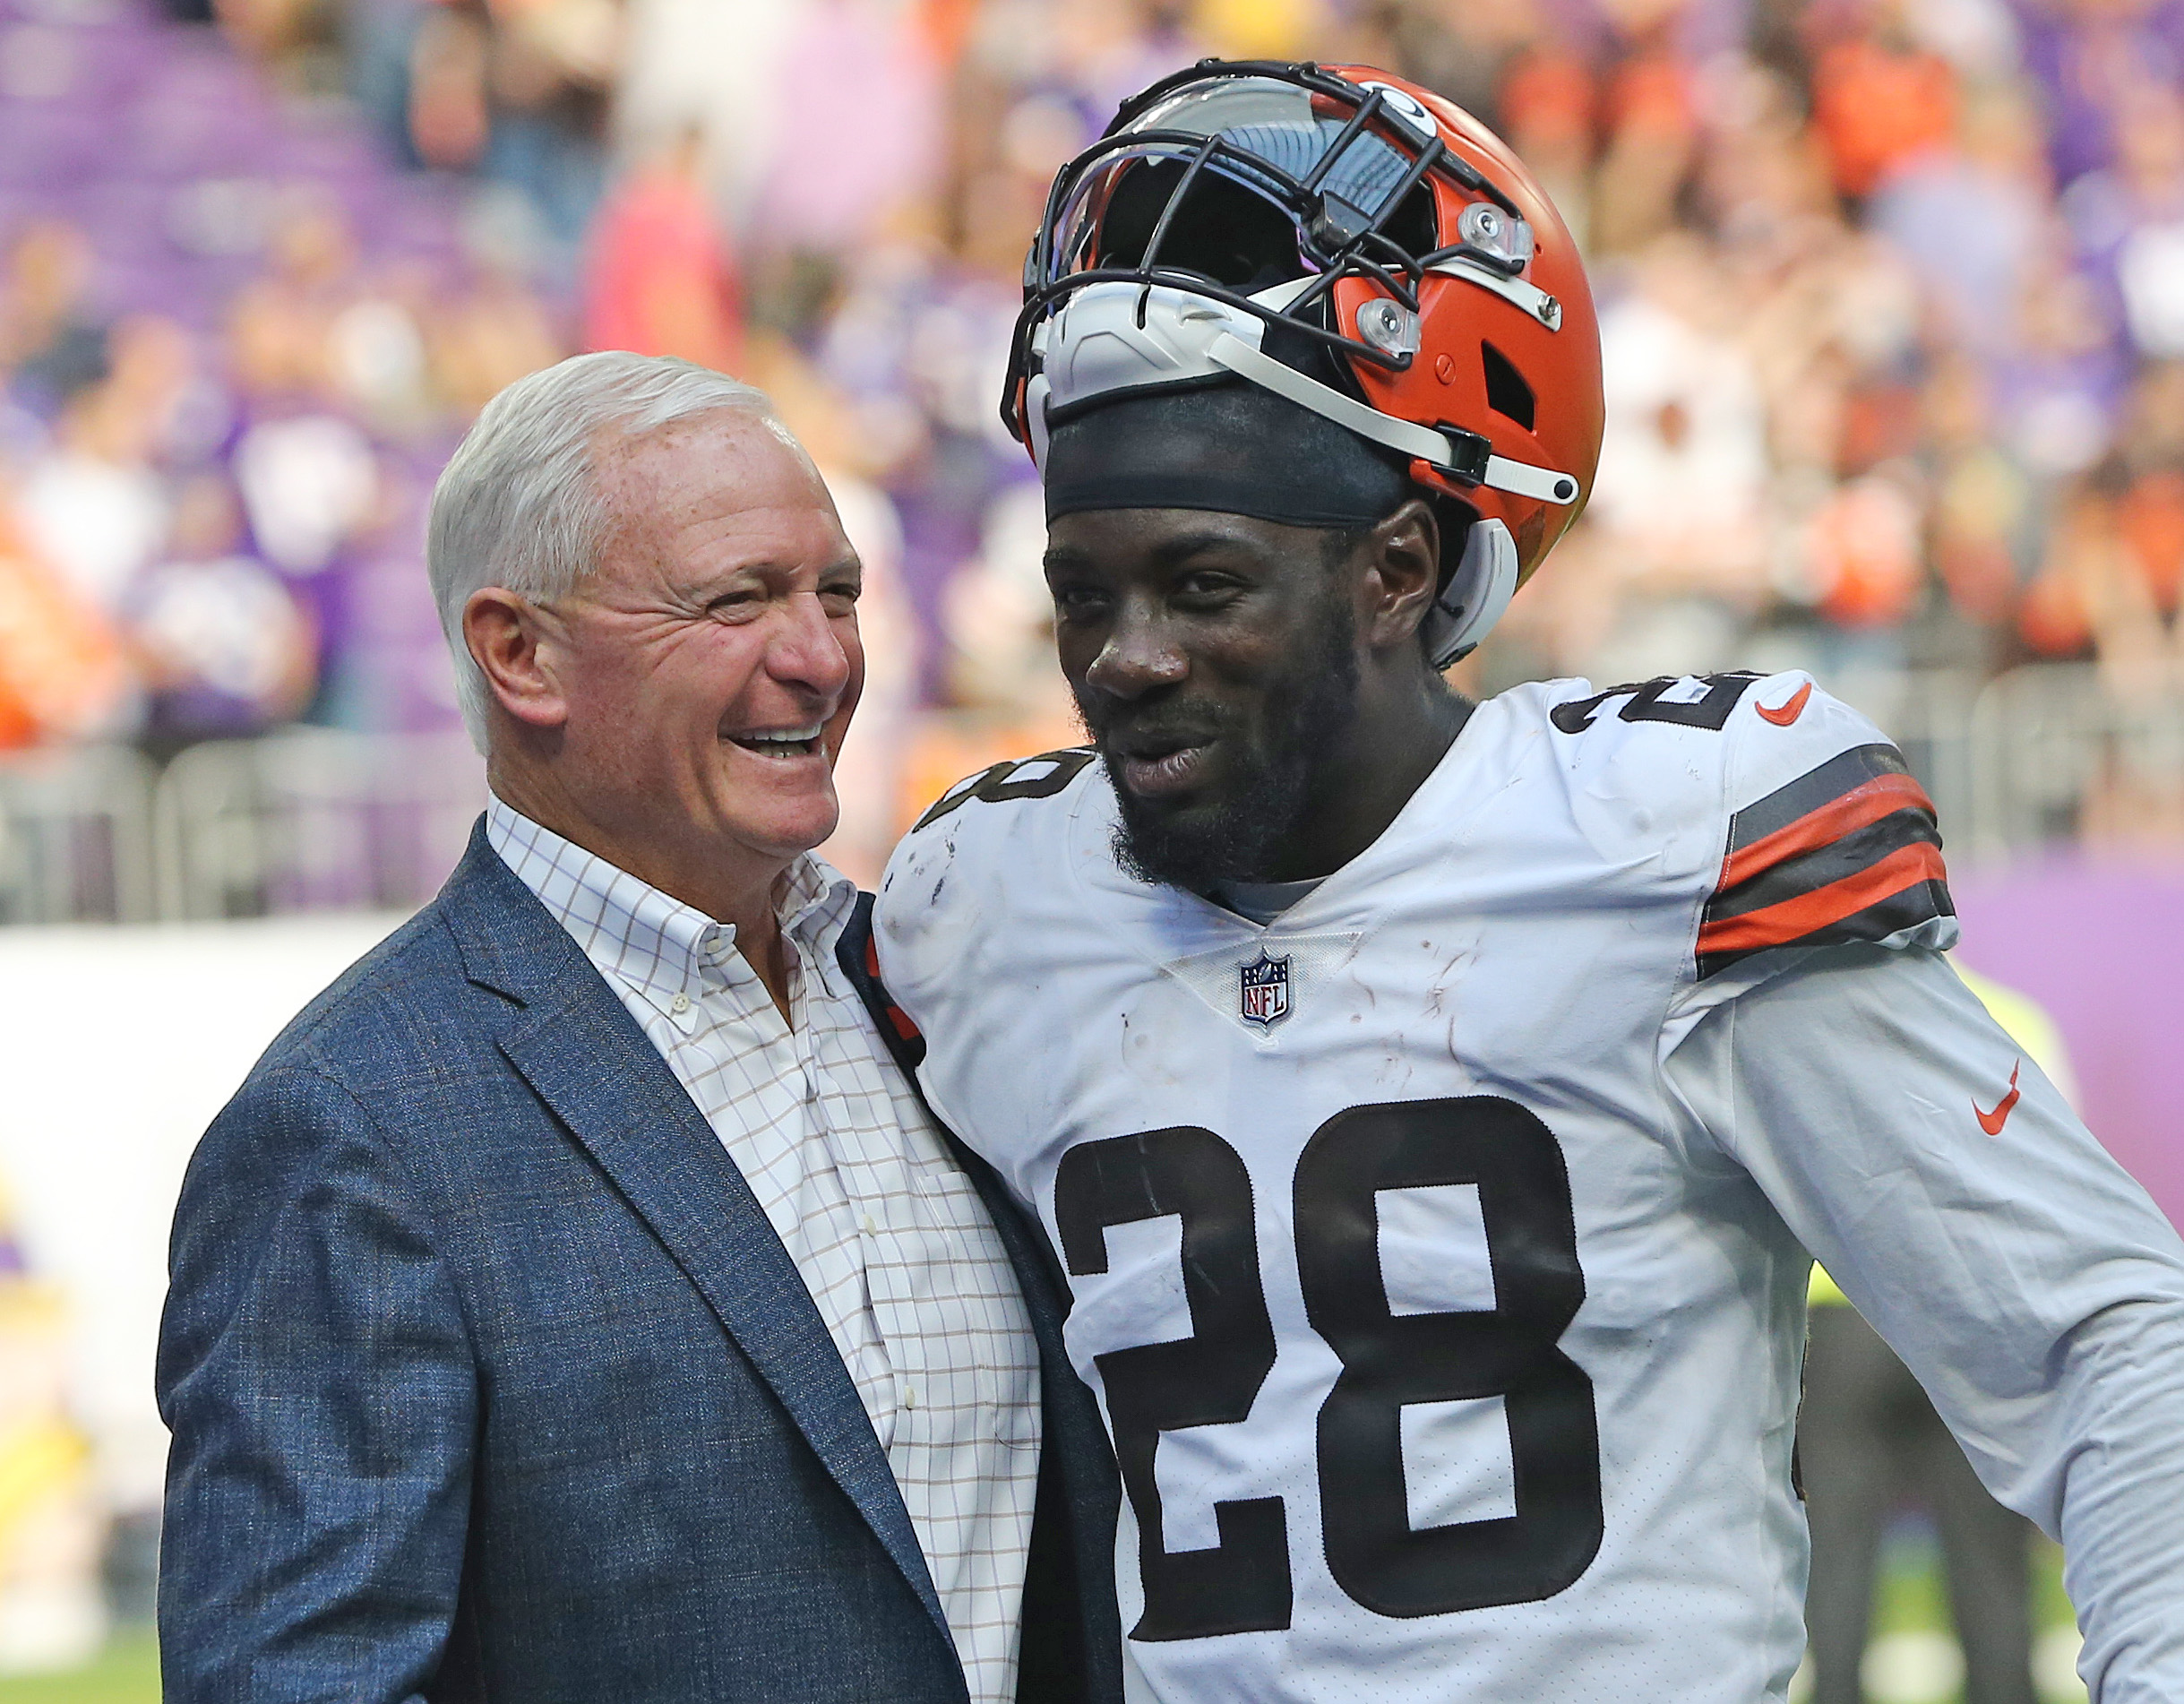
(236, 344)
(53, 1608)
(1892, 315)
(1894, 304)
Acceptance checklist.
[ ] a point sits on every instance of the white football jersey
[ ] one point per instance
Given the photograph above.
(1438, 1250)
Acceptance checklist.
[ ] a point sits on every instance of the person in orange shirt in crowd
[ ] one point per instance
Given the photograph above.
(1878, 101)
(63, 670)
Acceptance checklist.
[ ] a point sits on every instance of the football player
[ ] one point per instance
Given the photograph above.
(1434, 1104)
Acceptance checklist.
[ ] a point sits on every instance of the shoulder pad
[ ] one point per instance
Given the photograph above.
(986, 848)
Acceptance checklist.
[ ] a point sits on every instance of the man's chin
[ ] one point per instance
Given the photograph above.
(807, 832)
(1183, 821)
(783, 826)
(1191, 841)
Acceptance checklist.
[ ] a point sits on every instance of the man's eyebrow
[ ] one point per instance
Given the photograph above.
(1166, 554)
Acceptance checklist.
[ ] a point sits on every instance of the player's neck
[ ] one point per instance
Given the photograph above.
(1366, 779)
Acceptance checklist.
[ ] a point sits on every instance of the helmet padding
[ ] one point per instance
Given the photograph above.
(1229, 447)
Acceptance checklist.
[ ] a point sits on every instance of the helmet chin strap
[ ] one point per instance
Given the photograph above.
(1476, 594)
(1249, 361)
(1246, 361)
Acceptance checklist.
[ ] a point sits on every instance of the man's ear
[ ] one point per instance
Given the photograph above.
(506, 636)
(1402, 572)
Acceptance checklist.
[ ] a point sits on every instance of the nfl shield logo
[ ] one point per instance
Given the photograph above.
(1265, 990)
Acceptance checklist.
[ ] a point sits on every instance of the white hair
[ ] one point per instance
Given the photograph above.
(517, 504)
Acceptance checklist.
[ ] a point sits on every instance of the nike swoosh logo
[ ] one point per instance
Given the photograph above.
(1783, 714)
(1992, 1123)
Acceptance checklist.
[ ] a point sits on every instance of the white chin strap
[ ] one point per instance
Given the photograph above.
(1476, 594)
(1119, 336)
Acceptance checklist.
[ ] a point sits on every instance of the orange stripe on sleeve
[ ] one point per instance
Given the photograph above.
(1777, 926)
(1866, 802)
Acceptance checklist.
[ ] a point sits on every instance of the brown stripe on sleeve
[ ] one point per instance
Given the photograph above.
(1850, 851)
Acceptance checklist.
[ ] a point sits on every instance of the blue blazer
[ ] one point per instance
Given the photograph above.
(488, 1378)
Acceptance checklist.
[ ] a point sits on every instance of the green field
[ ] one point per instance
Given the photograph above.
(1910, 1664)
(126, 1673)
(1912, 1655)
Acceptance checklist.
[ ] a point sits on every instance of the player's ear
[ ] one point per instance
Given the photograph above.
(1402, 572)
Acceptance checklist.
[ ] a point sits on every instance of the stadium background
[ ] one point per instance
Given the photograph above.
(1893, 299)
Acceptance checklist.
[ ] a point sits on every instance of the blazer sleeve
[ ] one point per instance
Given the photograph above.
(318, 1378)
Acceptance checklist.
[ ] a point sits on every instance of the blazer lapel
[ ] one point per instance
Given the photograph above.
(586, 1058)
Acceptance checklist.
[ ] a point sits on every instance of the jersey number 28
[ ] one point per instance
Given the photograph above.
(1389, 1360)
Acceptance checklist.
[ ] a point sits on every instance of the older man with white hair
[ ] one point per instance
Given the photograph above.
(576, 1301)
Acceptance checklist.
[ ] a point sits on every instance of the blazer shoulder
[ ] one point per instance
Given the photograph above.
(400, 1025)
(400, 971)
(334, 1090)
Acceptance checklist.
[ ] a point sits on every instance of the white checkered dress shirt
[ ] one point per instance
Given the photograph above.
(892, 1238)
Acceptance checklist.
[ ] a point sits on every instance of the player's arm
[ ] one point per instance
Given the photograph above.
(2022, 1275)
(1830, 1052)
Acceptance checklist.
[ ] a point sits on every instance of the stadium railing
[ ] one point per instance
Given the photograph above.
(76, 837)
(312, 820)
(316, 820)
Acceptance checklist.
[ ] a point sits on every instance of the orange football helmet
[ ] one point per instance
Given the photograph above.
(1357, 244)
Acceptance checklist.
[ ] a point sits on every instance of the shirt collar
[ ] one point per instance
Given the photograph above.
(654, 944)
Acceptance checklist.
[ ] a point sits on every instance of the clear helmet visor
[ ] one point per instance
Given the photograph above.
(1247, 219)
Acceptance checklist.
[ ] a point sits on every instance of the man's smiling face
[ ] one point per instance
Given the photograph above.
(1214, 660)
(709, 667)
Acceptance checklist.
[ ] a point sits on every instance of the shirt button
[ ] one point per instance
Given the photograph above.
(871, 1229)
(679, 1004)
(910, 1396)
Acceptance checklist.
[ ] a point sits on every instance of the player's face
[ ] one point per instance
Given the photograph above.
(1213, 658)
(708, 671)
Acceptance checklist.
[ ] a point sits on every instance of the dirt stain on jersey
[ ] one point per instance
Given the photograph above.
(1348, 966)
(1388, 1077)
(1441, 993)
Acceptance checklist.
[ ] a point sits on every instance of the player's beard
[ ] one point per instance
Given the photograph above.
(1238, 836)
